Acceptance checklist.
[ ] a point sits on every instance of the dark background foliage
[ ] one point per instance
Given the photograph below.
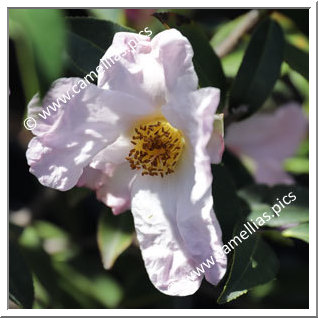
(59, 254)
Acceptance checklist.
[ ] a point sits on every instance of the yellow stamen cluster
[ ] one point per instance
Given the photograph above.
(157, 147)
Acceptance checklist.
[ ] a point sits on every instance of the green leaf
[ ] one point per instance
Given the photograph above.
(241, 176)
(259, 70)
(277, 237)
(300, 231)
(297, 165)
(297, 59)
(100, 288)
(254, 263)
(206, 62)
(226, 203)
(232, 61)
(56, 241)
(288, 215)
(88, 40)
(40, 262)
(45, 28)
(114, 236)
(262, 198)
(99, 32)
(20, 279)
(262, 291)
(225, 29)
(84, 56)
(113, 15)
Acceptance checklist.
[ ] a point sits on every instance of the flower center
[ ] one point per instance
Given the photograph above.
(157, 148)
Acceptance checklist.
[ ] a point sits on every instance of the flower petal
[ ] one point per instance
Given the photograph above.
(270, 172)
(112, 185)
(115, 153)
(197, 222)
(168, 55)
(115, 192)
(269, 139)
(166, 209)
(34, 108)
(193, 114)
(133, 71)
(87, 123)
(92, 178)
(175, 53)
(154, 210)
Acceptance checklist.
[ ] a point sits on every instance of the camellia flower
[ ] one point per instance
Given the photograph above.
(268, 139)
(139, 138)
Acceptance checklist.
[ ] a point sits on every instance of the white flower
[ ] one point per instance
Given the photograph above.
(139, 138)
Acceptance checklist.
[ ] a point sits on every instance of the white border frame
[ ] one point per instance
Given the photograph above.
(312, 160)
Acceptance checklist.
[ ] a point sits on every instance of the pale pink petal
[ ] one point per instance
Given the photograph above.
(133, 73)
(174, 52)
(90, 121)
(175, 215)
(87, 142)
(112, 185)
(34, 108)
(168, 56)
(115, 192)
(197, 222)
(154, 208)
(194, 114)
(271, 173)
(92, 178)
(114, 153)
(269, 139)
(53, 104)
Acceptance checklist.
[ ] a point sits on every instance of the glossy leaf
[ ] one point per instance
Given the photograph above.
(88, 39)
(84, 56)
(297, 165)
(114, 236)
(206, 62)
(248, 267)
(46, 30)
(225, 29)
(259, 70)
(90, 289)
(241, 176)
(226, 203)
(254, 263)
(297, 59)
(21, 289)
(113, 15)
(40, 262)
(277, 237)
(300, 231)
(262, 199)
(229, 34)
(231, 62)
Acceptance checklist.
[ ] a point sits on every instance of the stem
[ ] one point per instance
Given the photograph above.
(251, 18)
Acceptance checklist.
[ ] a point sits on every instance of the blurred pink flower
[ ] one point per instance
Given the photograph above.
(139, 18)
(139, 138)
(269, 139)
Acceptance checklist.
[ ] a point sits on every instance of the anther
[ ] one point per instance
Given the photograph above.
(157, 148)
